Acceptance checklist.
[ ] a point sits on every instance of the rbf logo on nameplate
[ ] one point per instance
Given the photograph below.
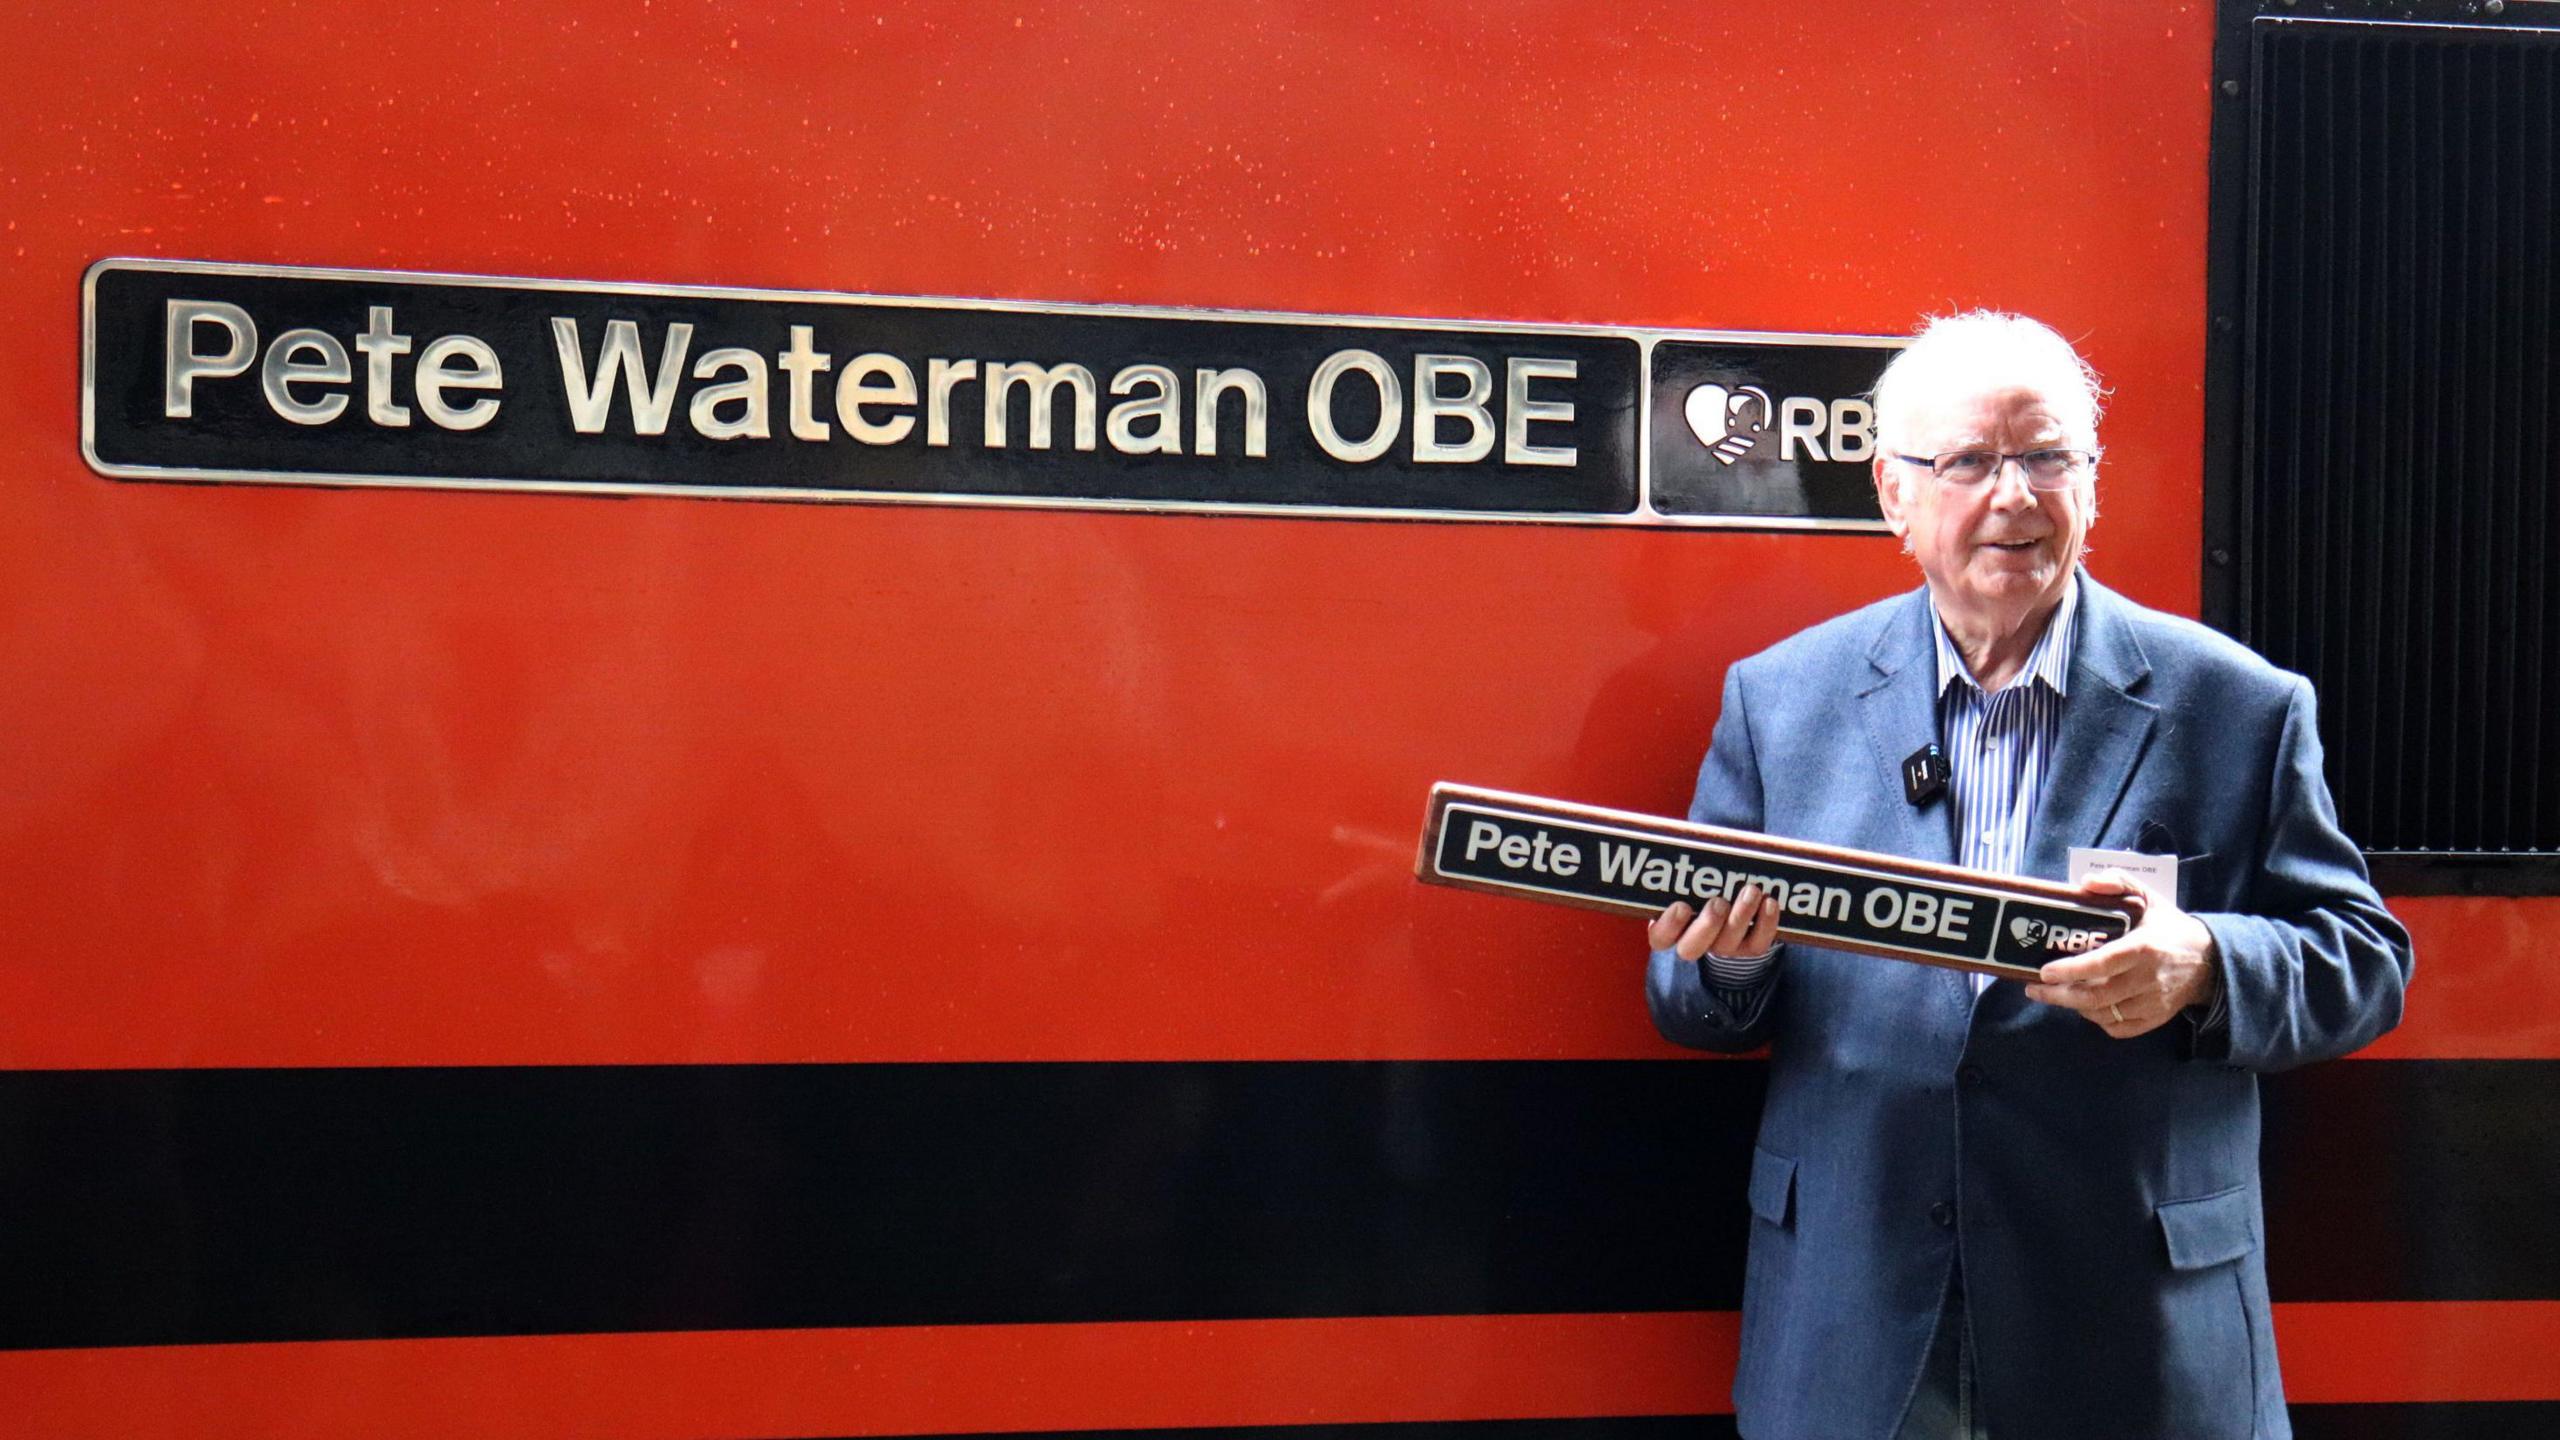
(1845, 899)
(1749, 428)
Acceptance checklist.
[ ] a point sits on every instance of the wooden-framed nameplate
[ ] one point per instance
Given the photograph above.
(1616, 860)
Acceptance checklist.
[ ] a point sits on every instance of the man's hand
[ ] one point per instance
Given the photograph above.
(2133, 986)
(1745, 929)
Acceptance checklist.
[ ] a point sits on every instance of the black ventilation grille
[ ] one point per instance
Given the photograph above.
(2389, 526)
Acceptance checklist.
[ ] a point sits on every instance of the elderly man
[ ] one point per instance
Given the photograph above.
(2022, 1211)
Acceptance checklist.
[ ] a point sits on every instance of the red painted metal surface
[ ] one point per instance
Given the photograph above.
(1003, 1377)
(364, 778)
(903, 1381)
(301, 777)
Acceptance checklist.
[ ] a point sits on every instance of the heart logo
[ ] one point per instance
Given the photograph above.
(2027, 931)
(1715, 417)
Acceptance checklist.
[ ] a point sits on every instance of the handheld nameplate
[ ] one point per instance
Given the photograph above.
(1875, 904)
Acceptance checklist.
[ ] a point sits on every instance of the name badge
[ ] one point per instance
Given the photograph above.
(2160, 872)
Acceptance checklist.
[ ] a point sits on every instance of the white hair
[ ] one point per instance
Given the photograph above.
(1979, 348)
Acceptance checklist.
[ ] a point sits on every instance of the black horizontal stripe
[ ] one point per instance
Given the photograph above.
(2414, 1180)
(174, 1206)
(2443, 1420)
(159, 1207)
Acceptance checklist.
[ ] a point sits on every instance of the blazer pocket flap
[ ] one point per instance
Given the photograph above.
(2211, 1229)
(1773, 1185)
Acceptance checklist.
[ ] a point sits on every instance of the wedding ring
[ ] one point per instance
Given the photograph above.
(2116, 1010)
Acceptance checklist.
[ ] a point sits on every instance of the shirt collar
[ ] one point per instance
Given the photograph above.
(2049, 662)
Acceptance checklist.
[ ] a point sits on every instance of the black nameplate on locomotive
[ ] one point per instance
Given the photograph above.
(1844, 899)
(237, 373)
(277, 374)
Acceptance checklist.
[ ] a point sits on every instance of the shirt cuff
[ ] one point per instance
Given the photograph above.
(1730, 975)
(2216, 1016)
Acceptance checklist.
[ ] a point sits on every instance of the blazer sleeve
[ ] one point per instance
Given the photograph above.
(2317, 967)
(1686, 1009)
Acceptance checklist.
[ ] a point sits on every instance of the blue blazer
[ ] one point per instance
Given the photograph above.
(2103, 1194)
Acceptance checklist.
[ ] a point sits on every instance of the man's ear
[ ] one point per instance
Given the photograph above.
(1889, 497)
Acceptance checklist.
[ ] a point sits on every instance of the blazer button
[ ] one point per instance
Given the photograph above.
(1944, 1214)
(1970, 1074)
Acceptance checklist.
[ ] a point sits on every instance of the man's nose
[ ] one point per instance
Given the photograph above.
(2008, 493)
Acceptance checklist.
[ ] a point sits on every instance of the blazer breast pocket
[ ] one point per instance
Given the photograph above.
(2202, 883)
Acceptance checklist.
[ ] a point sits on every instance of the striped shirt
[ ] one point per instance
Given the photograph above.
(1999, 743)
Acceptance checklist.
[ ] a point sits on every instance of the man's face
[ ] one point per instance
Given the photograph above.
(1999, 547)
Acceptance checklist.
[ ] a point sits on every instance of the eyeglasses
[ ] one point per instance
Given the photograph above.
(2047, 469)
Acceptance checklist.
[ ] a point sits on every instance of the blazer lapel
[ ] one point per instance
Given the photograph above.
(1899, 709)
(2105, 726)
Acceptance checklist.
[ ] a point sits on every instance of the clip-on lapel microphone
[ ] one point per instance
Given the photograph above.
(1925, 773)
